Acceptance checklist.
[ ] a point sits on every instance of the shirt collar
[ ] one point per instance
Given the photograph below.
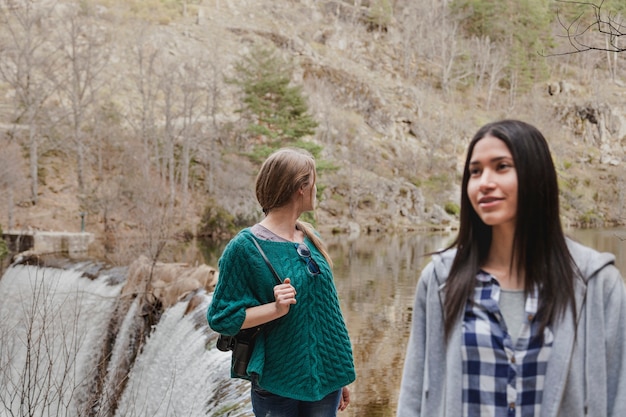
(492, 286)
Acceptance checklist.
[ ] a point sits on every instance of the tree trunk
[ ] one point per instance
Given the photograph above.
(34, 164)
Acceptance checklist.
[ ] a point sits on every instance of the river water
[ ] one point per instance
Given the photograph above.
(54, 325)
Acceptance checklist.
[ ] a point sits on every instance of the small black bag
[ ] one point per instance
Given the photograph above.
(242, 343)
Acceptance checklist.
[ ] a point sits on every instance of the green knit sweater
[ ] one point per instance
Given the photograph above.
(304, 355)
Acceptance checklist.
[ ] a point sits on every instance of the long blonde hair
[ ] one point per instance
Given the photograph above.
(280, 176)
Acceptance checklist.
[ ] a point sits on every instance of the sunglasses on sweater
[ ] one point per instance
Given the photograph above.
(305, 254)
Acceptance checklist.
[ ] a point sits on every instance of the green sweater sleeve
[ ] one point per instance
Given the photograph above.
(244, 281)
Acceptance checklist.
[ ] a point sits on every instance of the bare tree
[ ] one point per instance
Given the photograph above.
(11, 174)
(212, 106)
(489, 62)
(440, 43)
(136, 209)
(85, 57)
(170, 106)
(195, 85)
(142, 117)
(448, 48)
(409, 31)
(581, 31)
(28, 61)
(183, 86)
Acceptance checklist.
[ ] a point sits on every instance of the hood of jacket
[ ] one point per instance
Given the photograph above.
(587, 260)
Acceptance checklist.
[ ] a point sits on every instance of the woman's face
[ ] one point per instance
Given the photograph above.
(492, 186)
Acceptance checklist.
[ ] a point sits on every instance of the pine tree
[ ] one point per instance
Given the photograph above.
(276, 111)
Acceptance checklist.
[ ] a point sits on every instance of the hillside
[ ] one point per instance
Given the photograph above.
(393, 123)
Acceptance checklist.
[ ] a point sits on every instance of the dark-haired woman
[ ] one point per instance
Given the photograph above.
(302, 361)
(514, 319)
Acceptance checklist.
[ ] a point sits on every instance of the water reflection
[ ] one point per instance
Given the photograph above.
(604, 240)
(376, 278)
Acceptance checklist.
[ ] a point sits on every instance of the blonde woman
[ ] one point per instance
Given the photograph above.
(302, 362)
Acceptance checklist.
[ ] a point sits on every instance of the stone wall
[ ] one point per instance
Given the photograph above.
(48, 242)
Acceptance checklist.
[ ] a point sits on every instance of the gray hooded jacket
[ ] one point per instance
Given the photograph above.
(586, 374)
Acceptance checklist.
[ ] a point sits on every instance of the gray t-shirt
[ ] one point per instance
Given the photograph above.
(265, 233)
(513, 308)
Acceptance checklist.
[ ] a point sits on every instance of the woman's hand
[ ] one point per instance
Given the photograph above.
(285, 295)
(344, 401)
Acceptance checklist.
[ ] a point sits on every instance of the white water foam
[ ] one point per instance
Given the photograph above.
(53, 323)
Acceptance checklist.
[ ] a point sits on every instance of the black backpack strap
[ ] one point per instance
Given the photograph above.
(267, 261)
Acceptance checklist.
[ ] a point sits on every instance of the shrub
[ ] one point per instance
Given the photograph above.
(452, 208)
(4, 249)
(216, 221)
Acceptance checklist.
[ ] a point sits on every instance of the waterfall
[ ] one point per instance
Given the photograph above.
(75, 342)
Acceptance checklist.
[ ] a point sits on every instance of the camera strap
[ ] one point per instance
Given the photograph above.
(267, 261)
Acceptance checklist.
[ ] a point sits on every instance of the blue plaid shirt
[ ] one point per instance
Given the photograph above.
(501, 379)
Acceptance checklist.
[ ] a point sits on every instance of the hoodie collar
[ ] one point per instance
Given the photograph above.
(587, 260)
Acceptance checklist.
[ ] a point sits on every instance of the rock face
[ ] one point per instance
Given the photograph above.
(598, 124)
(380, 204)
(592, 164)
(168, 283)
(602, 126)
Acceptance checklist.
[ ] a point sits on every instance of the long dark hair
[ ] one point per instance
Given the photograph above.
(538, 244)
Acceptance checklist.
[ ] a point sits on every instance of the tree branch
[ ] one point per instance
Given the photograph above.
(579, 31)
